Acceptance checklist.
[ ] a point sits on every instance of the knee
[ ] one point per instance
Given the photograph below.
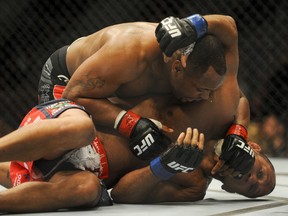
(89, 190)
(78, 130)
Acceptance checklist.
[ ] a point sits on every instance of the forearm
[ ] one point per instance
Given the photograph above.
(103, 111)
(141, 186)
(156, 182)
(243, 111)
(235, 150)
(135, 187)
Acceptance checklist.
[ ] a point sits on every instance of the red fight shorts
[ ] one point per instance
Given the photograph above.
(92, 158)
(58, 91)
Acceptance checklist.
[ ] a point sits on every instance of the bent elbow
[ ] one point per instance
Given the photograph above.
(71, 94)
(233, 26)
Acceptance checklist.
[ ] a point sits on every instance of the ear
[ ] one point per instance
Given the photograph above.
(177, 66)
(255, 146)
(229, 190)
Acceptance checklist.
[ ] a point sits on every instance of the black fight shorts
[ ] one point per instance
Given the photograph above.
(54, 76)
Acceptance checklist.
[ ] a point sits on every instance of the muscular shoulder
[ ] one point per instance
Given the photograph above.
(135, 39)
(126, 31)
(131, 44)
(121, 52)
(121, 38)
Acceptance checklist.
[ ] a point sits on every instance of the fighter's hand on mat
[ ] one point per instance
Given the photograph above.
(184, 156)
(146, 137)
(173, 33)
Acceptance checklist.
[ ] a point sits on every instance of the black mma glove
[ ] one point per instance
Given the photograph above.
(146, 140)
(236, 152)
(173, 33)
(178, 158)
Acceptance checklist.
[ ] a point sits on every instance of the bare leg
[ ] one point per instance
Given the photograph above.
(68, 189)
(72, 129)
(5, 180)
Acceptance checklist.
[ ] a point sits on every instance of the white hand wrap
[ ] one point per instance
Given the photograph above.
(118, 118)
(218, 147)
(157, 123)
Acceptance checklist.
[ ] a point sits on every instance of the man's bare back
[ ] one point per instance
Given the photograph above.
(125, 60)
(133, 45)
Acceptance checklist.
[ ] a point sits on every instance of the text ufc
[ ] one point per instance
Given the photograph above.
(171, 27)
(176, 166)
(245, 147)
(146, 142)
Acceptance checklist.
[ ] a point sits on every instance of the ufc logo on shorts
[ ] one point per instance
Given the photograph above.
(176, 166)
(245, 147)
(146, 142)
(171, 27)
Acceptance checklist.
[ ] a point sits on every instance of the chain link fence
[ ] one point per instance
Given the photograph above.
(32, 29)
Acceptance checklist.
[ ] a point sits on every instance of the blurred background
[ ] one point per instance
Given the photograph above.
(32, 29)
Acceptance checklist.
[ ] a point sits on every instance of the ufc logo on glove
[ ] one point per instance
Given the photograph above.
(245, 147)
(178, 167)
(171, 27)
(146, 142)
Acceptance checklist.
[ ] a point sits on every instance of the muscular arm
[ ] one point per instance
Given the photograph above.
(141, 186)
(159, 182)
(113, 69)
(94, 81)
(224, 28)
(242, 117)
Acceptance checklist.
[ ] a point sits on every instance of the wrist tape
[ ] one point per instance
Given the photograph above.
(125, 122)
(239, 130)
(199, 23)
(158, 170)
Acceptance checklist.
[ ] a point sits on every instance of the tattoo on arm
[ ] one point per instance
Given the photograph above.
(90, 83)
(86, 84)
(93, 83)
